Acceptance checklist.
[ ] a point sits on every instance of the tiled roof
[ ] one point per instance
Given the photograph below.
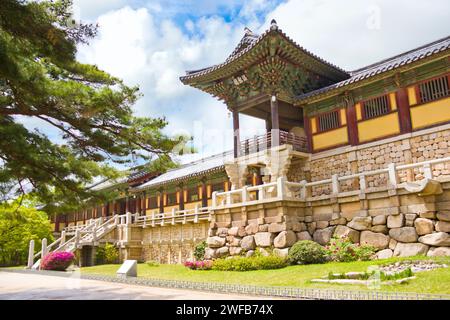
(386, 65)
(248, 42)
(196, 168)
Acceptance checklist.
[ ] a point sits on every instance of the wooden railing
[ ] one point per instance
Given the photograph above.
(265, 141)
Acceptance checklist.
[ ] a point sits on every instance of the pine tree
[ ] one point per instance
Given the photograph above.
(41, 78)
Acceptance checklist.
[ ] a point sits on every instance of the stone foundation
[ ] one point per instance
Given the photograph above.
(396, 222)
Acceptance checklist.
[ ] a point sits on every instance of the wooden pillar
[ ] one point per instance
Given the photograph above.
(308, 131)
(161, 202)
(127, 204)
(137, 204)
(204, 194)
(275, 121)
(105, 210)
(404, 114)
(181, 197)
(144, 203)
(352, 125)
(236, 137)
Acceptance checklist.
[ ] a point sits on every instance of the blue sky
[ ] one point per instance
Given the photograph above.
(151, 43)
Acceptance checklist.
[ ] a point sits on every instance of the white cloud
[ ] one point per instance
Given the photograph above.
(145, 45)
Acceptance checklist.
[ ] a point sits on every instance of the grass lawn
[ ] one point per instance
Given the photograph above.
(436, 281)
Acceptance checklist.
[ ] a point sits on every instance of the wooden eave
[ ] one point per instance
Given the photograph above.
(367, 81)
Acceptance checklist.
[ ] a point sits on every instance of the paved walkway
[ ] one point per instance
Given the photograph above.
(19, 286)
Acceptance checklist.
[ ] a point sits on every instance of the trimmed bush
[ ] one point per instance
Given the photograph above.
(57, 261)
(108, 254)
(239, 263)
(307, 252)
(199, 250)
(152, 263)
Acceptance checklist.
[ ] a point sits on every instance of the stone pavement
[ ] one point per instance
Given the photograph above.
(19, 286)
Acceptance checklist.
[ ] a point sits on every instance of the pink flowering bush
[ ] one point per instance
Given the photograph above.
(344, 250)
(58, 261)
(199, 265)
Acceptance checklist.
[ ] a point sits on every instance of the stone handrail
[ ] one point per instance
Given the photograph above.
(273, 190)
(286, 190)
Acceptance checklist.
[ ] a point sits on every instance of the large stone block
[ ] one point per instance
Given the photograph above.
(235, 251)
(380, 229)
(248, 243)
(396, 221)
(443, 215)
(437, 239)
(360, 223)
(264, 239)
(278, 227)
(322, 224)
(378, 240)
(298, 226)
(384, 254)
(344, 231)
(237, 231)
(221, 252)
(215, 242)
(323, 236)
(379, 220)
(222, 232)
(304, 235)
(423, 226)
(410, 249)
(210, 253)
(283, 253)
(439, 252)
(285, 239)
(443, 226)
(251, 228)
(405, 234)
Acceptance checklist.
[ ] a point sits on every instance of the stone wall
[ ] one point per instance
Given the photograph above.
(349, 160)
(172, 243)
(397, 223)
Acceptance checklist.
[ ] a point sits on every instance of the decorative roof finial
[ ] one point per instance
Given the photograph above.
(273, 24)
(248, 31)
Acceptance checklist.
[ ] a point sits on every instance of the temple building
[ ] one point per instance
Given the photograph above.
(363, 153)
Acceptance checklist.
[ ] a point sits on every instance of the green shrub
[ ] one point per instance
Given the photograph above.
(199, 250)
(239, 263)
(307, 252)
(152, 263)
(344, 250)
(107, 255)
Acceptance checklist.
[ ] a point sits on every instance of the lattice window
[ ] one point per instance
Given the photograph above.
(434, 89)
(171, 198)
(153, 202)
(193, 195)
(219, 187)
(376, 107)
(329, 121)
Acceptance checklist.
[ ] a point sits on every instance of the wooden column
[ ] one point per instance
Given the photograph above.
(275, 121)
(144, 203)
(236, 137)
(204, 195)
(137, 208)
(127, 204)
(308, 131)
(352, 125)
(181, 197)
(404, 114)
(105, 210)
(161, 202)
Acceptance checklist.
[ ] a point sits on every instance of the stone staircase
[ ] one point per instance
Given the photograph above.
(86, 235)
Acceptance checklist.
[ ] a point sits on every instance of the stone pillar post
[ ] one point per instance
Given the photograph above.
(31, 254)
(275, 121)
